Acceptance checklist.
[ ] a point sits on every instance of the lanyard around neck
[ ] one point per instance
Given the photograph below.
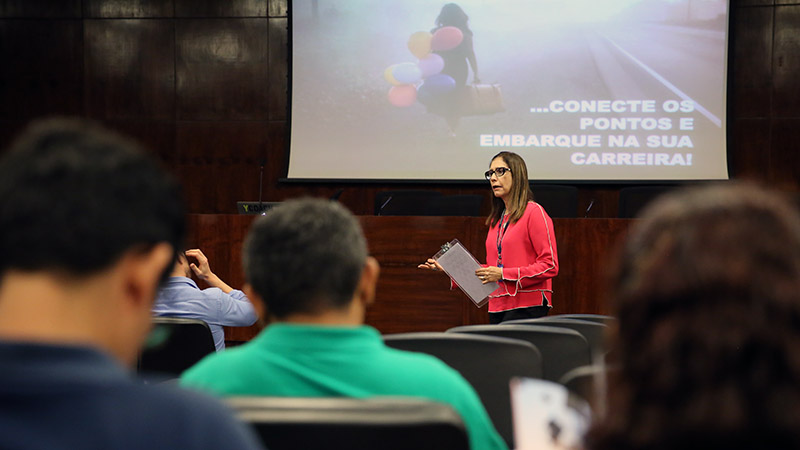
(501, 233)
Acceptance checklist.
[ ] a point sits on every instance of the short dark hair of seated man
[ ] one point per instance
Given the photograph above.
(219, 305)
(707, 294)
(88, 227)
(307, 267)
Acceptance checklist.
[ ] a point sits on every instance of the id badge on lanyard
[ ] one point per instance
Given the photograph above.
(501, 233)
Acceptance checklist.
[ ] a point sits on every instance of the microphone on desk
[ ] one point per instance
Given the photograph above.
(586, 214)
(380, 210)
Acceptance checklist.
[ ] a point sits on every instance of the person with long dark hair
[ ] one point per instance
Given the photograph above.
(456, 61)
(707, 296)
(521, 251)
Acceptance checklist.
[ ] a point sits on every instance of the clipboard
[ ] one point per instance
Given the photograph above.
(459, 264)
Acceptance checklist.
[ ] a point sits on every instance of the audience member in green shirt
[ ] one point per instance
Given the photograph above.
(307, 268)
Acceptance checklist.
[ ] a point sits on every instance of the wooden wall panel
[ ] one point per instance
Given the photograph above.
(749, 149)
(277, 84)
(278, 8)
(787, 61)
(130, 69)
(740, 3)
(222, 69)
(41, 8)
(227, 156)
(785, 154)
(411, 299)
(157, 137)
(41, 68)
(586, 251)
(216, 8)
(108, 9)
(751, 82)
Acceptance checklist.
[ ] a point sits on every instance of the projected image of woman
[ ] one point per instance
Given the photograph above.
(520, 246)
(455, 65)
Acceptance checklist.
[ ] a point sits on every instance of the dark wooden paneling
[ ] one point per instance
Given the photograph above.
(157, 137)
(278, 81)
(41, 8)
(750, 149)
(784, 157)
(278, 8)
(222, 69)
(130, 69)
(752, 63)
(736, 3)
(411, 299)
(41, 68)
(128, 8)
(221, 161)
(586, 251)
(216, 8)
(787, 62)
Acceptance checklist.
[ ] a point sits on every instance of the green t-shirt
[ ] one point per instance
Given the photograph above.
(289, 360)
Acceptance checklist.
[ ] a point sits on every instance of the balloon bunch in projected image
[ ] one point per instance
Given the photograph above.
(423, 80)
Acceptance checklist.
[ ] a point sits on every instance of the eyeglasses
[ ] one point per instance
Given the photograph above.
(500, 171)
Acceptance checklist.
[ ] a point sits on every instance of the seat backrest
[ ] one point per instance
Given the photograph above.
(589, 383)
(404, 202)
(290, 423)
(594, 332)
(468, 205)
(633, 199)
(599, 318)
(562, 349)
(174, 345)
(488, 363)
(557, 199)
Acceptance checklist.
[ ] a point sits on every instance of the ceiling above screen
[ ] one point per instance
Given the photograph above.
(583, 90)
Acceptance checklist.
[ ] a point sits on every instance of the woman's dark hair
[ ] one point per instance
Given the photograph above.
(707, 293)
(520, 194)
(452, 15)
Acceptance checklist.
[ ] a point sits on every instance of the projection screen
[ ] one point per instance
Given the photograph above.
(591, 90)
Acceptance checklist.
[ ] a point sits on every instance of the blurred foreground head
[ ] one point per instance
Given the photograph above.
(84, 213)
(707, 294)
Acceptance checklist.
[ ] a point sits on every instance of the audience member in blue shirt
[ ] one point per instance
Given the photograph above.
(218, 306)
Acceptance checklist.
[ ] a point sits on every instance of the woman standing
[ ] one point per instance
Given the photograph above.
(520, 246)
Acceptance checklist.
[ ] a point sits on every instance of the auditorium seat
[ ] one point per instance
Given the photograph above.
(589, 382)
(175, 344)
(562, 349)
(487, 362)
(387, 423)
(557, 199)
(594, 332)
(599, 318)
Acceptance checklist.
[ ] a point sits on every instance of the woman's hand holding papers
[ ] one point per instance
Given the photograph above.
(489, 274)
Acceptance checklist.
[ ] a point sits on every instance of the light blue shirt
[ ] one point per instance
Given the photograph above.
(180, 297)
